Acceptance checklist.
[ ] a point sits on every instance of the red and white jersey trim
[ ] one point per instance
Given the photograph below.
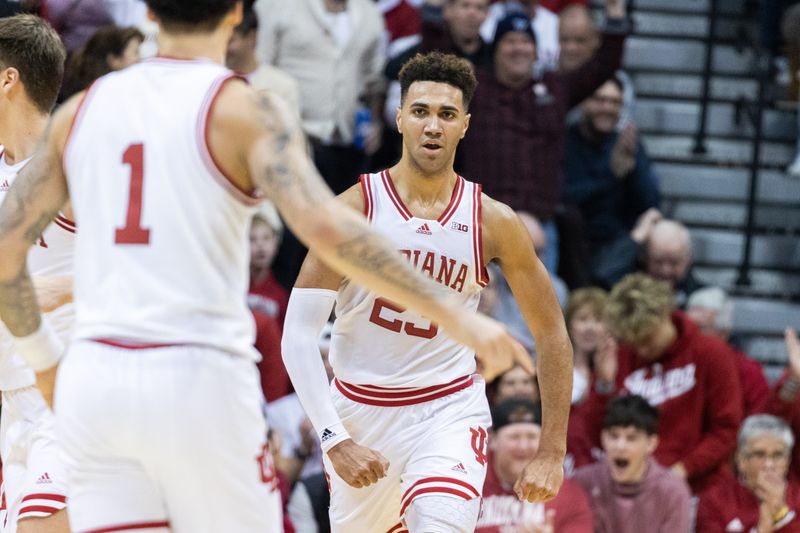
(398, 528)
(482, 274)
(366, 189)
(41, 505)
(400, 397)
(441, 485)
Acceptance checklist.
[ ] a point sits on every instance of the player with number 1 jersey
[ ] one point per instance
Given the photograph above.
(405, 427)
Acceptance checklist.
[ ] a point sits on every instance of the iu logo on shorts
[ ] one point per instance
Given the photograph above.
(479, 444)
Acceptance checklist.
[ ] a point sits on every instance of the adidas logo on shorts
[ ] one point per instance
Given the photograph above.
(44, 478)
(424, 229)
(327, 434)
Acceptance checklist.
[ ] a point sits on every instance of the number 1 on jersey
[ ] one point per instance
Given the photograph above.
(133, 232)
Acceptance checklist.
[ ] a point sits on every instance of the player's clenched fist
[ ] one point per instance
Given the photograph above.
(357, 465)
(541, 480)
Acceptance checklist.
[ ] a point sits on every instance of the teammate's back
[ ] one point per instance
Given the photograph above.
(163, 256)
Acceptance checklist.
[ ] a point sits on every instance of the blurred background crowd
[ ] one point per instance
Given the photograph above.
(650, 151)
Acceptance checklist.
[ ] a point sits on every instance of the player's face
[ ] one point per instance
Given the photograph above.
(627, 451)
(586, 329)
(432, 120)
(765, 455)
(516, 383)
(263, 246)
(513, 447)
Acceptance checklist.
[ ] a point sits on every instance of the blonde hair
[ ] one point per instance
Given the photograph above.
(593, 297)
(268, 214)
(636, 305)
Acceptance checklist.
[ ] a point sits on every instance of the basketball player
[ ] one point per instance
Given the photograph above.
(405, 392)
(158, 404)
(33, 492)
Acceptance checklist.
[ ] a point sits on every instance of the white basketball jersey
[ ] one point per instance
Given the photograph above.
(163, 252)
(376, 342)
(52, 255)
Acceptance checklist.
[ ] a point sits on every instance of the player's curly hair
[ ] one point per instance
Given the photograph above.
(636, 305)
(439, 67)
(190, 16)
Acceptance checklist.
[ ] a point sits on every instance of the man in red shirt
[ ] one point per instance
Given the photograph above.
(691, 378)
(516, 426)
(761, 500)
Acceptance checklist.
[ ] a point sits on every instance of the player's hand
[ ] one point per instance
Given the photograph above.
(357, 465)
(46, 383)
(52, 292)
(541, 479)
(496, 349)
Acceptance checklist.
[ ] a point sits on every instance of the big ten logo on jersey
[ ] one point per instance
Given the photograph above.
(267, 467)
(480, 444)
(458, 226)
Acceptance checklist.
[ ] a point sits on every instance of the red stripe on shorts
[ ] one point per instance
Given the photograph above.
(129, 527)
(441, 490)
(54, 497)
(386, 397)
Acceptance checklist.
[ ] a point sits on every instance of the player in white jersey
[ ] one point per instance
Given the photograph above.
(33, 491)
(158, 403)
(405, 392)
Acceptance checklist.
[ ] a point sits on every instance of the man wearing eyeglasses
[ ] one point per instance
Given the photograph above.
(761, 500)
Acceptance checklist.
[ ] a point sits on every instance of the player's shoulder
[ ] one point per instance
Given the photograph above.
(496, 214)
(353, 197)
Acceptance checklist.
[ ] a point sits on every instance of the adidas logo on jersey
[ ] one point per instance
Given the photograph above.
(44, 478)
(327, 434)
(4, 186)
(459, 468)
(424, 229)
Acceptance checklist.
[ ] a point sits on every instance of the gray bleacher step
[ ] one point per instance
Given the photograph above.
(683, 56)
(754, 315)
(679, 147)
(691, 86)
(733, 215)
(682, 25)
(725, 247)
(684, 117)
(762, 282)
(695, 6)
(703, 182)
(766, 349)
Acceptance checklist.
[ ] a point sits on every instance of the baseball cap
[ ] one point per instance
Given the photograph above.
(516, 411)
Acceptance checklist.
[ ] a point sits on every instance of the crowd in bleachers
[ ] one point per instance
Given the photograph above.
(673, 427)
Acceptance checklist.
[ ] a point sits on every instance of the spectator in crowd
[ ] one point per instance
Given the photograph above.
(514, 383)
(761, 499)
(668, 257)
(784, 401)
(110, 48)
(515, 145)
(587, 331)
(689, 377)
(76, 20)
(514, 441)
(557, 6)
(712, 310)
(300, 454)
(335, 51)
(134, 13)
(608, 177)
(275, 382)
(266, 294)
(628, 491)
(241, 58)
(403, 25)
(309, 503)
(543, 24)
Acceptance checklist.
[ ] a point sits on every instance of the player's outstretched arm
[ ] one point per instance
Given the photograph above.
(254, 135)
(35, 198)
(507, 241)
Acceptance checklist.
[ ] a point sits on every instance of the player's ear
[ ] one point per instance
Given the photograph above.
(398, 120)
(8, 78)
(466, 125)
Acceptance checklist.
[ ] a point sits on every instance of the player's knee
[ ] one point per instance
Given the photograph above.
(55, 523)
(442, 514)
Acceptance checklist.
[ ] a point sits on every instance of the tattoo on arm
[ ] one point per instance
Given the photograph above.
(19, 308)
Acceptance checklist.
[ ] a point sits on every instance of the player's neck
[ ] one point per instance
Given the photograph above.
(194, 46)
(415, 186)
(21, 130)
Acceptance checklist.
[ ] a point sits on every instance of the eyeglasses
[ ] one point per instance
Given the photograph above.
(761, 456)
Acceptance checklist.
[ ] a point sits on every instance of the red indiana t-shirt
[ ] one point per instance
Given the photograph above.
(729, 506)
(503, 512)
(269, 297)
